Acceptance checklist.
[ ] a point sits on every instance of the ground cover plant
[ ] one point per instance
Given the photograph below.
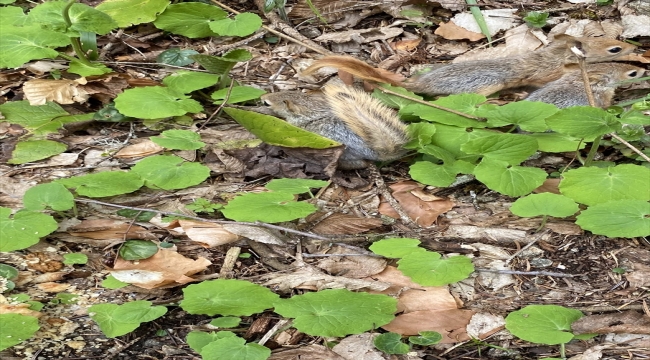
(151, 207)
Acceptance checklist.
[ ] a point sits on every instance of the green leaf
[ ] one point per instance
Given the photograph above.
(439, 175)
(134, 250)
(132, 12)
(554, 142)
(393, 101)
(222, 65)
(185, 81)
(583, 122)
(191, 19)
(83, 17)
(528, 115)
(428, 269)
(391, 343)
(79, 68)
(592, 185)
(112, 283)
(337, 312)
(509, 180)
(179, 140)
(278, 132)
(243, 24)
(511, 148)
(105, 183)
(635, 117)
(226, 322)
(117, 320)
(25, 229)
(75, 258)
(8, 272)
(12, 15)
(227, 297)
(451, 138)
(19, 45)
(396, 248)
(198, 339)
(170, 172)
(621, 218)
(53, 195)
(16, 328)
(536, 19)
(543, 324)
(234, 348)
(544, 204)
(34, 150)
(426, 338)
(65, 299)
(237, 94)
(295, 186)
(421, 134)
(465, 103)
(270, 207)
(203, 205)
(40, 120)
(154, 102)
(176, 57)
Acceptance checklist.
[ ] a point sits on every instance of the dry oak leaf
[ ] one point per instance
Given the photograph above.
(40, 91)
(420, 206)
(166, 268)
(101, 229)
(141, 149)
(22, 309)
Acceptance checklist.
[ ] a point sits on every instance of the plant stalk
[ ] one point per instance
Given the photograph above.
(76, 44)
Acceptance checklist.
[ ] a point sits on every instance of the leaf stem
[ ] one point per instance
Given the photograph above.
(76, 44)
(592, 152)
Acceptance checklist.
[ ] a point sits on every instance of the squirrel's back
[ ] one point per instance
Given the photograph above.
(569, 90)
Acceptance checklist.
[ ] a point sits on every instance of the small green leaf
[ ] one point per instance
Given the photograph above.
(428, 269)
(79, 68)
(593, 185)
(222, 65)
(635, 117)
(337, 312)
(554, 142)
(421, 134)
(191, 19)
(185, 81)
(426, 338)
(179, 140)
(294, 186)
(528, 115)
(198, 339)
(132, 12)
(226, 322)
(176, 57)
(170, 172)
(8, 272)
(234, 348)
(105, 183)
(396, 248)
(138, 250)
(509, 180)
(543, 324)
(117, 320)
(544, 204)
(465, 103)
(65, 299)
(83, 17)
(16, 328)
(439, 175)
(25, 229)
(237, 94)
(75, 258)
(112, 283)
(53, 195)
(511, 148)
(154, 102)
(243, 24)
(34, 150)
(271, 207)
(536, 19)
(203, 205)
(391, 343)
(583, 122)
(227, 297)
(278, 132)
(618, 218)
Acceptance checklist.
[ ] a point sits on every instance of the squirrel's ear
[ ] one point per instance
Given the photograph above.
(290, 106)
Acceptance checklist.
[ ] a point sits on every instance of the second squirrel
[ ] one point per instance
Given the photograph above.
(569, 90)
(369, 130)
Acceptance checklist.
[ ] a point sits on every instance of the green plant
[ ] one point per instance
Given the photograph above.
(7, 274)
(16, 328)
(536, 19)
(116, 320)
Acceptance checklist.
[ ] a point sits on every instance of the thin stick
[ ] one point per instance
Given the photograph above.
(430, 104)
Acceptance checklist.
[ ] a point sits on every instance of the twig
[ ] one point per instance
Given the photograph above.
(383, 190)
(630, 146)
(260, 224)
(422, 102)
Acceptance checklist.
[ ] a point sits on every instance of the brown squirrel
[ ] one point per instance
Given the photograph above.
(569, 90)
(369, 130)
(489, 76)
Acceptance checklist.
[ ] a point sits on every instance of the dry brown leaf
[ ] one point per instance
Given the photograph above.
(339, 224)
(40, 91)
(103, 229)
(630, 322)
(451, 31)
(257, 233)
(358, 266)
(141, 149)
(44, 262)
(406, 45)
(311, 352)
(331, 11)
(360, 36)
(166, 268)
(308, 277)
(549, 185)
(210, 234)
(52, 287)
(359, 346)
(22, 309)
(425, 213)
(451, 324)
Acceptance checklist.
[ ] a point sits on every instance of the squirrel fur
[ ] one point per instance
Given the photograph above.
(489, 76)
(569, 90)
(369, 130)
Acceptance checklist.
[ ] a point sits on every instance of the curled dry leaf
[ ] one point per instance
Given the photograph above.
(141, 149)
(451, 31)
(209, 234)
(22, 309)
(52, 287)
(257, 233)
(40, 91)
(410, 195)
(166, 268)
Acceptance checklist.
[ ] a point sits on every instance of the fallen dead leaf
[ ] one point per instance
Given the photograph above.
(549, 185)
(409, 194)
(40, 91)
(340, 224)
(257, 233)
(166, 268)
(357, 266)
(451, 31)
(210, 234)
(52, 287)
(311, 352)
(44, 262)
(630, 322)
(359, 346)
(22, 309)
(311, 278)
(141, 149)
(451, 324)
(406, 45)
(103, 229)
(361, 36)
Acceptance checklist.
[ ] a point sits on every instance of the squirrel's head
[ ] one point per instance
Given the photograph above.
(595, 49)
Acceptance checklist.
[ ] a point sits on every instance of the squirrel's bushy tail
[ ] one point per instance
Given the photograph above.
(357, 68)
(370, 119)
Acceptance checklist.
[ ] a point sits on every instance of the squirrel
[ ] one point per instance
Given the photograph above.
(369, 130)
(486, 77)
(569, 90)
